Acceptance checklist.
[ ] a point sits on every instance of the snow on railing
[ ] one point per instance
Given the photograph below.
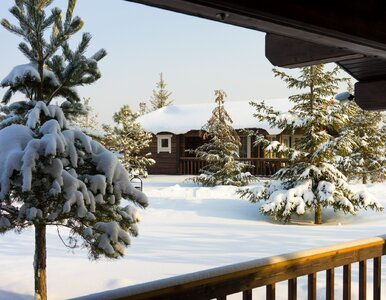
(244, 277)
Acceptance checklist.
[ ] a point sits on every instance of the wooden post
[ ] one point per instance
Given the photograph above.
(377, 278)
(330, 278)
(270, 295)
(40, 262)
(312, 286)
(362, 279)
(247, 295)
(292, 289)
(347, 282)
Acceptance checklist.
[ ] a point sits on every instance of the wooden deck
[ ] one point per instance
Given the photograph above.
(244, 277)
(257, 166)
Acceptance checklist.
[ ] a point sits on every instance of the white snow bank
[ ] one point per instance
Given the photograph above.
(179, 119)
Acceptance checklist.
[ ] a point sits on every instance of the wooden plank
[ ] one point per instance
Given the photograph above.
(312, 286)
(347, 282)
(247, 294)
(292, 289)
(362, 279)
(300, 53)
(330, 284)
(377, 278)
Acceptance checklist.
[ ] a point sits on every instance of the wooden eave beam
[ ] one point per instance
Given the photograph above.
(288, 52)
(349, 24)
(371, 95)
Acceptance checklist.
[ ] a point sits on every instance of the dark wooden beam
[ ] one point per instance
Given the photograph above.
(350, 24)
(289, 52)
(371, 95)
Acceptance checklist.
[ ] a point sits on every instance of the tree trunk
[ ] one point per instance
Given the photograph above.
(364, 178)
(318, 214)
(40, 262)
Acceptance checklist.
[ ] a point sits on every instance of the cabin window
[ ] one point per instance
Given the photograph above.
(164, 143)
(245, 149)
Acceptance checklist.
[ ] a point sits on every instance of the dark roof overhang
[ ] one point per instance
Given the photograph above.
(350, 33)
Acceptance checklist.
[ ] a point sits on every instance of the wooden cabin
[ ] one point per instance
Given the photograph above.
(176, 130)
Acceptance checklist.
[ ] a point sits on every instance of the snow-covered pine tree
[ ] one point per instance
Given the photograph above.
(160, 96)
(367, 161)
(50, 174)
(310, 181)
(221, 152)
(128, 139)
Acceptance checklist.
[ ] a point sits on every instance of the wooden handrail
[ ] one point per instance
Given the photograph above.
(243, 277)
(257, 166)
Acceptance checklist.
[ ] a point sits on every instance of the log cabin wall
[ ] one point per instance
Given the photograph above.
(166, 163)
(169, 163)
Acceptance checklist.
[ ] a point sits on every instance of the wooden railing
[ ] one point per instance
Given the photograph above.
(258, 166)
(244, 277)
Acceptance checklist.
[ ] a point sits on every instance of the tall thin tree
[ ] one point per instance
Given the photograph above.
(221, 151)
(161, 96)
(51, 174)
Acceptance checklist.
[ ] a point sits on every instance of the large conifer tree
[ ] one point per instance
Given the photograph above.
(221, 152)
(310, 181)
(129, 139)
(50, 174)
(367, 160)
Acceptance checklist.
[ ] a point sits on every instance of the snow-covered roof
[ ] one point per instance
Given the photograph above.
(181, 118)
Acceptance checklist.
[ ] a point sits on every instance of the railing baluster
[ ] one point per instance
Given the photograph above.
(347, 282)
(362, 279)
(312, 286)
(270, 292)
(247, 295)
(292, 289)
(330, 279)
(377, 278)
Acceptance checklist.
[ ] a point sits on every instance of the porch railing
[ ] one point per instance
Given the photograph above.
(244, 277)
(258, 166)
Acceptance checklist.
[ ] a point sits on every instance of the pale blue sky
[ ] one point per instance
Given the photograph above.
(195, 55)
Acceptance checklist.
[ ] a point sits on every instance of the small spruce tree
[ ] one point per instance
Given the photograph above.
(310, 181)
(128, 139)
(160, 96)
(51, 174)
(221, 152)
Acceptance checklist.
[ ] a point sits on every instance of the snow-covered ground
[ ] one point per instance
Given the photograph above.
(186, 228)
